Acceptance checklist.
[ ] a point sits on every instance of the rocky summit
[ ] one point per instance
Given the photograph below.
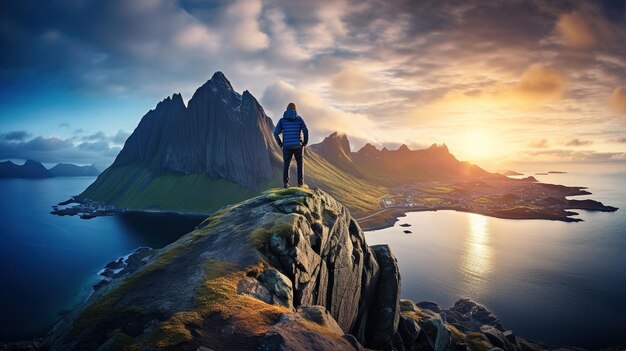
(287, 270)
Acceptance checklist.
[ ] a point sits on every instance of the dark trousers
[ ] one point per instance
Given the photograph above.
(287, 155)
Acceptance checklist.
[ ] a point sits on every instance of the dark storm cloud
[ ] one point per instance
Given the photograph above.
(16, 135)
(95, 136)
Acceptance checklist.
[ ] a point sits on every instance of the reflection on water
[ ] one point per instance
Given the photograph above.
(539, 277)
(476, 259)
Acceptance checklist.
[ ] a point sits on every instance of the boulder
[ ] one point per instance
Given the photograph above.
(434, 335)
(320, 315)
(409, 330)
(279, 287)
(496, 337)
(469, 316)
(429, 305)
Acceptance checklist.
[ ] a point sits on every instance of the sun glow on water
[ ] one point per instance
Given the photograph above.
(477, 259)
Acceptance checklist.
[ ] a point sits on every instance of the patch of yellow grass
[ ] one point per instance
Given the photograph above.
(437, 189)
(283, 227)
(218, 294)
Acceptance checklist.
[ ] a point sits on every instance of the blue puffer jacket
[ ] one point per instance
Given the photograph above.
(290, 126)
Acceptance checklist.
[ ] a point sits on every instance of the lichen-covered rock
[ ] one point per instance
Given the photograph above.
(435, 335)
(287, 270)
(279, 286)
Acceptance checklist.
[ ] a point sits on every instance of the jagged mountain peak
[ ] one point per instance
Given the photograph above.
(338, 141)
(439, 147)
(219, 80)
(336, 149)
(367, 149)
(404, 148)
(175, 101)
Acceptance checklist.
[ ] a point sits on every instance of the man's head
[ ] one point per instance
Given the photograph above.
(291, 106)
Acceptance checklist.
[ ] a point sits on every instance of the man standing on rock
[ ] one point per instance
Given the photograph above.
(295, 137)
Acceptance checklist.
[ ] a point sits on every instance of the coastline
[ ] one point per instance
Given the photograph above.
(92, 209)
(383, 218)
(387, 217)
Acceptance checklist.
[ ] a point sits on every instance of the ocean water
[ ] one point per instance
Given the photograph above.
(49, 263)
(555, 282)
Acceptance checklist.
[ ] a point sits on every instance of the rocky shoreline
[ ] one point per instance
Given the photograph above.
(85, 209)
(89, 209)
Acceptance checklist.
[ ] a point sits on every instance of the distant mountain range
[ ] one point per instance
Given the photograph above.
(30, 169)
(72, 170)
(393, 167)
(220, 150)
(34, 169)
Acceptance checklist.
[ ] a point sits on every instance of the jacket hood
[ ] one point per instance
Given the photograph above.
(290, 115)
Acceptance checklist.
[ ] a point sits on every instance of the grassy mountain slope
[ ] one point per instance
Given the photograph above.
(136, 187)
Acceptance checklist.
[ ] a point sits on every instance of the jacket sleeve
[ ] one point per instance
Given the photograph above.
(277, 131)
(305, 131)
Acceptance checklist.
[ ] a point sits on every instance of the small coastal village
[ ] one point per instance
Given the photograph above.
(499, 197)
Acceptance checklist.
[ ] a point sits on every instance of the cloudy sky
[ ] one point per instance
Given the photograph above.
(497, 81)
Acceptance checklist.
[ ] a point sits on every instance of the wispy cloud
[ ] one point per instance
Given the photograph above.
(538, 144)
(578, 142)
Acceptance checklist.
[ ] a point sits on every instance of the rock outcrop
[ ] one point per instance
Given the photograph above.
(465, 326)
(287, 270)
